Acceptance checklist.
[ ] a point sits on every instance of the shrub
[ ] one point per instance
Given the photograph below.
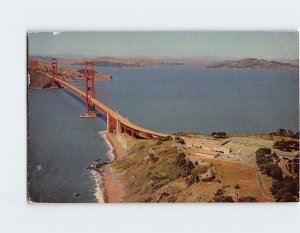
(237, 186)
(200, 169)
(263, 151)
(286, 189)
(165, 139)
(220, 197)
(219, 134)
(286, 133)
(247, 199)
(179, 140)
(286, 145)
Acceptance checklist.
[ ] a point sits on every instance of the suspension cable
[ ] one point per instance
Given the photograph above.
(107, 95)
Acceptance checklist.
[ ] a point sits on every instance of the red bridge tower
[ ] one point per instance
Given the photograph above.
(54, 67)
(89, 89)
(54, 72)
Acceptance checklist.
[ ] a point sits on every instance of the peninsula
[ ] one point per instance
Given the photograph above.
(253, 64)
(191, 167)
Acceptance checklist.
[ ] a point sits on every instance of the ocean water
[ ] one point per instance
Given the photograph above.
(168, 99)
(60, 147)
(189, 99)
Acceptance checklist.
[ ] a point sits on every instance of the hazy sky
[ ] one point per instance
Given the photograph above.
(268, 45)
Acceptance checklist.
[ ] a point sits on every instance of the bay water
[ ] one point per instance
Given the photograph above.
(168, 99)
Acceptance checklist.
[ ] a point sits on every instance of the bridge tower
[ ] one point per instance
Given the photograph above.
(54, 73)
(54, 67)
(89, 89)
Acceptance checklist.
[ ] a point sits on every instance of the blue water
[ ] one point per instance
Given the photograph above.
(168, 99)
(186, 98)
(61, 145)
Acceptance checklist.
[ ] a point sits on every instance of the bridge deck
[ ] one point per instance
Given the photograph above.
(106, 110)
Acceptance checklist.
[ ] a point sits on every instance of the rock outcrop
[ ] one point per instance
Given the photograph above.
(37, 75)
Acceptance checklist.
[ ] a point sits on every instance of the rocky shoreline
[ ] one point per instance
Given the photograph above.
(171, 169)
(116, 183)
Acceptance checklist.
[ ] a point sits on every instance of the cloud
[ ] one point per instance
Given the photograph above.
(56, 33)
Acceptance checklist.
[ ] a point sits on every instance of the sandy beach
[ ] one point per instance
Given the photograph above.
(113, 188)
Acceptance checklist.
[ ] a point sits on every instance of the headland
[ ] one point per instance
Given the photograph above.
(191, 167)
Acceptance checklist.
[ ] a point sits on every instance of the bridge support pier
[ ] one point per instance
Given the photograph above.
(107, 122)
(125, 131)
(113, 117)
(118, 127)
(132, 133)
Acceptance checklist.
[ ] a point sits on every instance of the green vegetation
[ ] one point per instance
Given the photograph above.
(286, 190)
(156, 171)
(286, 133)
(221, 197)
(287, 146)
(283, 188)
(247, 199)
(179, 140)
(237, 186)
(219, 134)
(198, 170)
(294, 165)
(267, 163)
(187, 134)
(165, 139)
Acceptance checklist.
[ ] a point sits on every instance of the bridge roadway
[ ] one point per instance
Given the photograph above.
(124, 122)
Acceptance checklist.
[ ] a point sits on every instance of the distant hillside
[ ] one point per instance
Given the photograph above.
(110, 61)
(131, 62)
(253, 64)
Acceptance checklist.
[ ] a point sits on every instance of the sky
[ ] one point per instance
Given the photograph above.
(265, 45)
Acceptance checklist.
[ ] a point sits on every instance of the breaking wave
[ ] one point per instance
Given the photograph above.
(99, 190)
(110, 156)
(110, 153)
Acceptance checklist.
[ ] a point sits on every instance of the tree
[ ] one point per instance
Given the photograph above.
(286, 189)
(219, 134)
(286, 145)
(288, 197)
(263, 151)
(276, 172)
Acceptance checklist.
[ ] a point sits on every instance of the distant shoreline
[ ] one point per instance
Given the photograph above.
(253, 64)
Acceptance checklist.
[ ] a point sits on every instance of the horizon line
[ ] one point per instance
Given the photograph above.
(159, 57)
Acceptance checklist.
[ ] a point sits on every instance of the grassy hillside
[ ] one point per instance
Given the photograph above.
(161, 171)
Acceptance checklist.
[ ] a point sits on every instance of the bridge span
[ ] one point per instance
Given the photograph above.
(116, 123)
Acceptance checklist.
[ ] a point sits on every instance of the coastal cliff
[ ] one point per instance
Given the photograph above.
(191, 167)
(159, 170)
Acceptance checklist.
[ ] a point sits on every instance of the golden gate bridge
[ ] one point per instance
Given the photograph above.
(116, 123)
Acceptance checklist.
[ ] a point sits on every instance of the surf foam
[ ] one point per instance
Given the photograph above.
(110, 153)
(99, 190)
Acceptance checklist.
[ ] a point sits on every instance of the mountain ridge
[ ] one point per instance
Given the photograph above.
(253, 64)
